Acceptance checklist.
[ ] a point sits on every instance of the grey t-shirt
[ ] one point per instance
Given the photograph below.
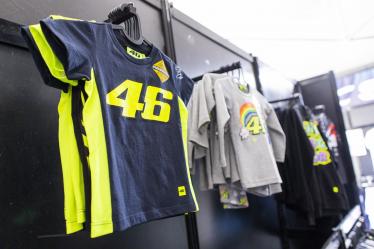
(257, 137)
(203, 137)
(198, 137)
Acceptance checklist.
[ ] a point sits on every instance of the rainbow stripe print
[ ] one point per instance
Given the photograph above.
(247, 112)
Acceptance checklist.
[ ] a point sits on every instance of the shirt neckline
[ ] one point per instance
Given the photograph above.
(119, 46)
(233, 84)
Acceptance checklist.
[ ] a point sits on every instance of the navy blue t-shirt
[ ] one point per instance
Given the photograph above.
(135, 120)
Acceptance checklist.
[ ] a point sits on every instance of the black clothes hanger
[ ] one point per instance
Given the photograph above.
(295, 101)
(297, 96)
(126, 14)
(319, 109)
(221, 70)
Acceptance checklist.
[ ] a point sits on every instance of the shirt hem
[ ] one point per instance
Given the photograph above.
(261, 183)
(121, 224)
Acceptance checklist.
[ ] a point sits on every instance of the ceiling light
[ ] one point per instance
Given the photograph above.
(346, 89)
(344, 102)
(356, 141)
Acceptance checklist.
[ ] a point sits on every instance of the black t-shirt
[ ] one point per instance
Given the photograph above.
(332, 193)
(311, 183)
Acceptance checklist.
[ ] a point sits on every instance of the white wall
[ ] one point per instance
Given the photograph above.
(300, 38)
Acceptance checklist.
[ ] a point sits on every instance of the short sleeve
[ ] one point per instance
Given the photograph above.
(72, 41)
(46, 61)
(222, 116)
(276, 133)
(183, 84)
(198, 132)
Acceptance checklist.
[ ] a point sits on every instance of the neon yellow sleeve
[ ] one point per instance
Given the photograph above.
(74, 197)
(74, 203)
(54, 65)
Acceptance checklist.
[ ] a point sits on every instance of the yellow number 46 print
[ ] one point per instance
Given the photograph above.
(131, 104)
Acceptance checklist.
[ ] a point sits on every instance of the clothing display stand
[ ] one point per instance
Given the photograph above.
(348, 233)
(296, 96)
(235, 66)
(127, 15)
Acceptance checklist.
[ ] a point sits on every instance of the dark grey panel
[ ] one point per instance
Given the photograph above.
(318, 91)
(31, 11)
(253, 227)
(198, 54)
(31, 197)
(164, 234)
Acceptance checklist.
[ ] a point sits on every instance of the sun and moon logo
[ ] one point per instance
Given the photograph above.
(250, 120)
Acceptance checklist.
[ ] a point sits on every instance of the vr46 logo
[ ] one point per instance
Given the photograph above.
(131, 104)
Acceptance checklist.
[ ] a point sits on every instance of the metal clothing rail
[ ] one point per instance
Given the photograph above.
(296, 96)
(224, 69)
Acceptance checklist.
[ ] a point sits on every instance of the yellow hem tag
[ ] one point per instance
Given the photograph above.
(182, 191)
